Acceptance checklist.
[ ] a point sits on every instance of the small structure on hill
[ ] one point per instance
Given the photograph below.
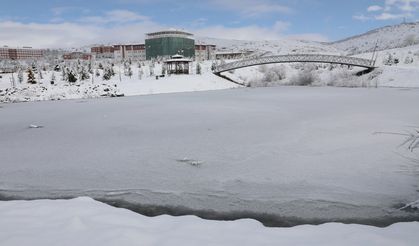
(178, 65)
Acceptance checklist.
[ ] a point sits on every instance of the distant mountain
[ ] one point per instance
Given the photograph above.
(388, 37)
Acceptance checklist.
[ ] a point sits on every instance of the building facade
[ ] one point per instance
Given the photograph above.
(204, 52)
(130, 52)
(25, 53)
(103, 52)
(165, 44)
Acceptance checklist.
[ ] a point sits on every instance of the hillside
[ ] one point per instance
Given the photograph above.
(275, 47)
(388, 37)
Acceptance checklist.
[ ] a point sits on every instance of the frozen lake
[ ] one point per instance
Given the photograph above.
(289, 153)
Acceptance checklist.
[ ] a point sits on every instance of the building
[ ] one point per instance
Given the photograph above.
(130, 52)
(25, 53)
(205, 52)
(165, 44)
(77, 56)
(103, 52)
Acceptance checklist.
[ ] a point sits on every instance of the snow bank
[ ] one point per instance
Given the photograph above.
(58, 92)
(83, 221)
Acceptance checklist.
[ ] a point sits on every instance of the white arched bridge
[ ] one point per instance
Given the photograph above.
(307, 58)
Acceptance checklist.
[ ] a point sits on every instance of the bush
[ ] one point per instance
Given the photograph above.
(305, 77)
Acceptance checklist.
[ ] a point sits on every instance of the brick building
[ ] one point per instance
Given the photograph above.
(103, 52)
(25, 53)
(130, 51)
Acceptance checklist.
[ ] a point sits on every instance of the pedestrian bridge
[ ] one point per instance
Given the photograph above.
(306, 58)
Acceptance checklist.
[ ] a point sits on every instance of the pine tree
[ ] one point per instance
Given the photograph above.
(31, 77)
(84, 75)
(71, 77)
(107, 74)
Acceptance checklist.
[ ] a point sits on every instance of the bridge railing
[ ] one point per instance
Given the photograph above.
(314, 58)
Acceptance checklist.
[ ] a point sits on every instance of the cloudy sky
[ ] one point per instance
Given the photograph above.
(74, 23)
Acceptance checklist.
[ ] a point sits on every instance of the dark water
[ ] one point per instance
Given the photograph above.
(267, 219)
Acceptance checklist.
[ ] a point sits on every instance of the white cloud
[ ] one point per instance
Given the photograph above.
(115, 16)
(68, 35)
(253, 32)
(388, 16)
(361, 17)
(391, 10)
(122, 26)
(251, 8)
(374, 8)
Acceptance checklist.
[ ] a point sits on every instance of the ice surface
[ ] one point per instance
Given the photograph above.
(83, 221)
(289, 151)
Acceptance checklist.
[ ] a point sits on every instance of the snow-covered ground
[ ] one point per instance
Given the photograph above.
(285, 152)
(83, 221)
(120, 84)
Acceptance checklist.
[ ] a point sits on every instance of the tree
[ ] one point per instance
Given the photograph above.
(52, 81)
(129, 72)
(107, 74)
(198, 68)
(31, 77)
(140, 74)
(71, 77)
(84, 75)
(20, 76)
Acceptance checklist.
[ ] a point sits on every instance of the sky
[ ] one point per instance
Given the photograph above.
(76, 23)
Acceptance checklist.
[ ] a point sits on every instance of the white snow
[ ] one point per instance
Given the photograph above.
(119, 85)
(287, 151)
(83, 221)
(388, 37)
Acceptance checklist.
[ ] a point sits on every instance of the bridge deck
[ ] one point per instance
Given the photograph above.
(312, 58)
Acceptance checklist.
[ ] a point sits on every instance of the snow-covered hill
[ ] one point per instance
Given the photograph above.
(282, 46)
(388, 37)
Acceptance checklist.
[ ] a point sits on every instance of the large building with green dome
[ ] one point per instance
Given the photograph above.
(168, 43)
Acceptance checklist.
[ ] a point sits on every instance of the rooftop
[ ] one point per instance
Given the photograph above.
(169, 33)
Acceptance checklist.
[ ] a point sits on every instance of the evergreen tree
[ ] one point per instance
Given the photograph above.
(129, 72)
(71, 77)
(31, 77)
(84, 75)
(107, 74)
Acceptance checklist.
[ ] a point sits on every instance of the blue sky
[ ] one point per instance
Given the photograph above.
(79, 22)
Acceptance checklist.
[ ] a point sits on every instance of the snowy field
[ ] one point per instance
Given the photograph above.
(141, 82)
(83, 221)
(285, 156)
